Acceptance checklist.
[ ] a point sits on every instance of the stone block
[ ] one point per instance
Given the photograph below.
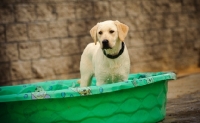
(51, 48)
(162, 6)
(131, 23)
(143, 22)
(149, 7)
(53, 1)
(6, 12)
(174, 50)
(32, 1)
(197, 2)
(7, 1)
(68, 76)
(38, 31)
(183, 20)
(151, 37)
(91, 23)
(25, 12)
(43, 68)
(20, 70)
(118, 8)
(84, 9)
(65, 10)
(75, 63)
(58, 29)
(135, 39)
(16, 32)
(84, 41)
(175, 5)
(188, 5)
(133, 8)
(4, 73)
(198, 15)
(162, 51)
(101, 9)
(150, 66)
(13, 83)
(194, 19)
(197, 5)
(157, 21)
(179, 34)
(66, 65)
(165, 35)
(35, 80)
(192, 33)
(167, 64)
(3, 54)
(2, 34)
(186, 62)
(70, 46)
(140, 54)
(62, 65)
(170, 20)
(197, 44)
(188, 49)
(29, 50)
(77, 28)
(12, 52)
(45, 12)
(8, 52)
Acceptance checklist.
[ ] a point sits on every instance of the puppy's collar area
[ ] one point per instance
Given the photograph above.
(114, 56)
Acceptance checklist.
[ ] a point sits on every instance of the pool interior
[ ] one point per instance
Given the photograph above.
(54, 85)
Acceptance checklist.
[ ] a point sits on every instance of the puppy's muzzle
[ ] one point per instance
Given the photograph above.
(105, 44)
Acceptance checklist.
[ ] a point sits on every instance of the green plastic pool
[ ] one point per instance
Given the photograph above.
(142, 98)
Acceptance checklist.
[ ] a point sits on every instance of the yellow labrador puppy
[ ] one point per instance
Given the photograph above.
(107, 58)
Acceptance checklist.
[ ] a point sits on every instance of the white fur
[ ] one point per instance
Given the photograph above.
(95, 63)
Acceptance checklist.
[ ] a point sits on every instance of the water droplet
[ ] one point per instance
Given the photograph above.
(63, 94)
(101, 90)
(126, 81)
(50, 87)
(25, 96)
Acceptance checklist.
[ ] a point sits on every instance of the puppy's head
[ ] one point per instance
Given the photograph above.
(108, 33)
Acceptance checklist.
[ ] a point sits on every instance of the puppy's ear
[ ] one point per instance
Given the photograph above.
(122, 30)
(93, 33)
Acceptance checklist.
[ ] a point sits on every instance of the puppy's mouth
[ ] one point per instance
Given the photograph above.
(105, 44)
(106, 47)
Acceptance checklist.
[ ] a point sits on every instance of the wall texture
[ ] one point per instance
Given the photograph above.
(43, 39)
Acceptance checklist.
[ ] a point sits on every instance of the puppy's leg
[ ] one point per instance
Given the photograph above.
(86, 68)
(86, 76)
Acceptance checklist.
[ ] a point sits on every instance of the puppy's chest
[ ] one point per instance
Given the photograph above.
(111, 71)
(112, 66)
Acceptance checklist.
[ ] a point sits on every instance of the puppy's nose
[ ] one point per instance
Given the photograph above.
(105, 42)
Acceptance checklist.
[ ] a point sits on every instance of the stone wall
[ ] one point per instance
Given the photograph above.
(43, 39)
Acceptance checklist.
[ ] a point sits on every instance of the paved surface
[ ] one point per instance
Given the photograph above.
(183, 104)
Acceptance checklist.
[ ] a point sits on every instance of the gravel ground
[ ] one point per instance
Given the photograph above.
(183, 104)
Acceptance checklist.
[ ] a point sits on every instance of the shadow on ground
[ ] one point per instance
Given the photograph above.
(183, 104)
(185, 109)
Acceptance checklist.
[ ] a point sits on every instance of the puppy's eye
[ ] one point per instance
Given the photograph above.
(112, 31)
(100, 32)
